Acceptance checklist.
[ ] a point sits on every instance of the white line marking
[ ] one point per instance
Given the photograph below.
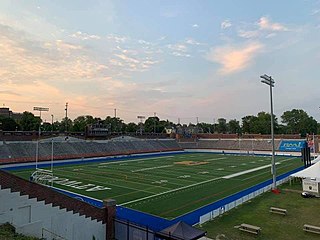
(196, 184)
(134, 160)
(247, 171)
(151, 168)
(173, 190)
(213, 159)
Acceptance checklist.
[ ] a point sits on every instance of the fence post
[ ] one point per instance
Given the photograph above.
(110, 214)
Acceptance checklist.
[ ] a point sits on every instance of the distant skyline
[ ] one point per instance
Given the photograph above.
(180, 59)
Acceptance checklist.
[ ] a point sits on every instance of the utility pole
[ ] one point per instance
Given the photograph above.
(51, 123)
(154, 122)
(66, 109)
(115, 113)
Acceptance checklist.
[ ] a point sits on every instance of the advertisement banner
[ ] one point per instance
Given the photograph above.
(292, 146)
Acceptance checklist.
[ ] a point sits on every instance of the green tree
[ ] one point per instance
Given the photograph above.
(234, 126)
(258, 124)
(164, 124)
(298, 121)
(29, 122)
(151, 124)
(66, 125)
(206, 127)
(80, 123)
(114, 124)
(248, 124)
(131, 127)
(8, 124)
(222, 125)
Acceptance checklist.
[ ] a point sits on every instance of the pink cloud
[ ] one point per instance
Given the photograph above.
(234, 59)
(265, 24)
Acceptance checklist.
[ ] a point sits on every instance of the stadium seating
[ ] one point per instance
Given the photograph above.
(11, 152)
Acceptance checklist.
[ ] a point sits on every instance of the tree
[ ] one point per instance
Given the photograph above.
(8, 124)
(114, 124)
(234, 126)
(298, 121)
(222, 125)
(131, 127)
(29, 122)
(206, 127)
(263, 123)
(259, 124)
(248, 124)
(80, 123)
(151, 124)
(46, 127)
(65, 125)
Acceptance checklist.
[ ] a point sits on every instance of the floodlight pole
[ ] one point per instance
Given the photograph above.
(270, 82)
(40, 109)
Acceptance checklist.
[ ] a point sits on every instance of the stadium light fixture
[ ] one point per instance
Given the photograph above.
(270, 82)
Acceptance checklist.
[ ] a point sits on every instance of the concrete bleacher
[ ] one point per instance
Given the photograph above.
(232, 144)
(11, 152)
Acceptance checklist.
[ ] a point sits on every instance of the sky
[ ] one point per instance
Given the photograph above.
(184, 59)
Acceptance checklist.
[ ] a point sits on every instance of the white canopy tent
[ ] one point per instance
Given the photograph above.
(311, 172)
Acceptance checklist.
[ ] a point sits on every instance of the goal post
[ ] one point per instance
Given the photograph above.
(42, 176)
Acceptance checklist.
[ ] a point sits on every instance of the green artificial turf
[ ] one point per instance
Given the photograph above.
(161, 186)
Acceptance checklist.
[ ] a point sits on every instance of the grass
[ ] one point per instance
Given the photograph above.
(256, 212)
(8, 232)
(168, 186)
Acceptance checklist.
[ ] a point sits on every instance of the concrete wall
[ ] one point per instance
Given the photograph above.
(35, 218)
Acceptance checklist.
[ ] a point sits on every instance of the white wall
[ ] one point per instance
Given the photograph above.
(38, 219)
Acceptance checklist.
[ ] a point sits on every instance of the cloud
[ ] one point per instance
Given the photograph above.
(234, 58)
(192, 42)
(248, 34)
(133, 64)
(9, 93)
(226, 24)
(178, 50)
(117, 38)
(85, 36)
(25, 60)
(265, 24)
(262, 28)
(195, 25)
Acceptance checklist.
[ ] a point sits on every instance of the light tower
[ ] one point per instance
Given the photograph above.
(270, 82)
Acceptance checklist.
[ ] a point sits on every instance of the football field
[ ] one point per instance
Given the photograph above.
(167, 186)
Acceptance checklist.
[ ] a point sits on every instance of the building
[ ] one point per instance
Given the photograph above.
(6, 112)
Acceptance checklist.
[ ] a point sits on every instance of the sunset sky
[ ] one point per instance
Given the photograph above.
(181, 59)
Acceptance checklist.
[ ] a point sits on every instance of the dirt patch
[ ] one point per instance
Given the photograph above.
(191, 163)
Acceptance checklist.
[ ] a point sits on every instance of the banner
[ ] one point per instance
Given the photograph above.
(292, 146)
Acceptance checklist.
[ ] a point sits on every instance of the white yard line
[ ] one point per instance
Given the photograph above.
(170, 191)
(136, 160)
(151, 168)
(252, 170)
(196, 184)
(214, 159)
